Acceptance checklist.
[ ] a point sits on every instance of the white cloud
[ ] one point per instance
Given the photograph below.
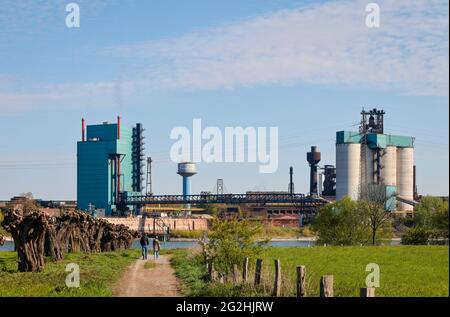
(325, 43)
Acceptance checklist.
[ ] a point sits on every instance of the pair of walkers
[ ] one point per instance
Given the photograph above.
(144, 241)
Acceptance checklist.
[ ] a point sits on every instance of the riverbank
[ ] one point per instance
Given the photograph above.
(405, 271)
(183, 243)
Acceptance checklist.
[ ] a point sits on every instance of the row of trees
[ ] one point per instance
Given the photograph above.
(366, 221)
(349, 222)
(430, 222)
(37, 235)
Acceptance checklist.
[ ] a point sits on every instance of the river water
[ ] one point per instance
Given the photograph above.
(9, 246)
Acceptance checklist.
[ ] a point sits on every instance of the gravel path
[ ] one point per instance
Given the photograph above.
(159, 281)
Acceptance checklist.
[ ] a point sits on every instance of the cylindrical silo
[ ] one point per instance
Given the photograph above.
(405, 176)
(370, 166)
(348, 164)
(389, 166)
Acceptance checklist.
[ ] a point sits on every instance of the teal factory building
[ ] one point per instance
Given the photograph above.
(109, 162)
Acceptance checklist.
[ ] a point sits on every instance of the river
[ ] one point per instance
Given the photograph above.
(174, 244)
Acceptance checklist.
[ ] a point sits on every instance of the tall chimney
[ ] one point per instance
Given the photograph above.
(291, 181)
(118, 127)
(82, 130)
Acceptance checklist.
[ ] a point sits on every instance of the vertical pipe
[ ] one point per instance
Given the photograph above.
(118, 178)
(82, 130)
(118, 127)
(115, 181)
(378, 163)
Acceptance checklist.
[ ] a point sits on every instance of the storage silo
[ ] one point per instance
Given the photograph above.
(405, 176)
(348, 164)
(389, 166)
(370, 166)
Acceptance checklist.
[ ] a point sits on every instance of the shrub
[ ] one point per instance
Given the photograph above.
(415, 236)
(230, 241)
(341, 223)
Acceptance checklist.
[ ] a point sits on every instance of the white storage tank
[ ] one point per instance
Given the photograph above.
(389, 166)
(348, 165)
(405, 176)
(370, 166)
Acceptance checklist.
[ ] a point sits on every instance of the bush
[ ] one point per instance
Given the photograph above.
(432, 214)
(341, 223)
(230, 241)
(415, 236)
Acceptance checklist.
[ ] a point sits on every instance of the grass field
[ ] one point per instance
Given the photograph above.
(98, 272)
(404, 271)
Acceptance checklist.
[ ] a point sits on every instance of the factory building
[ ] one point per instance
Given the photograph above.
(109, 162)
(372, 157)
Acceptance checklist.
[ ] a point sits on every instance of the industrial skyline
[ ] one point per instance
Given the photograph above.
(222, 64)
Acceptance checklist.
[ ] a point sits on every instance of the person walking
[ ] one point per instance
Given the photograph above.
(144, 243)
(156, 248)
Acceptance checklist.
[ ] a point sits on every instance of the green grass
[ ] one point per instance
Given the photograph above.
(98, 273)
(404, 271)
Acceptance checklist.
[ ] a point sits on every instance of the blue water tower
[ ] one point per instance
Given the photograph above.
(186, 170)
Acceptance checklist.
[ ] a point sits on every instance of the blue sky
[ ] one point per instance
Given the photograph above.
(306, 67)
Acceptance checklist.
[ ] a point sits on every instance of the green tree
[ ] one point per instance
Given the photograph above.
(230, 241)
(373, 201)
(432, 214)
(341, 223)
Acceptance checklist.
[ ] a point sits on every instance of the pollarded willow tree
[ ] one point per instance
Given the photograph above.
(37, 235)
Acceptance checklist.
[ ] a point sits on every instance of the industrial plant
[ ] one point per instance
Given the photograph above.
(371, 157)
(110, 174)
(109, 162)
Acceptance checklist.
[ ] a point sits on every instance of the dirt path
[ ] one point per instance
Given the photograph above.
(159, 281)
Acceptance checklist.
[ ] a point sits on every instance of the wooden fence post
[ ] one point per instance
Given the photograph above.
(326, 286)
(367, 292)
(301, 281)
(258, 271)
(235, 273)
(277, 282)
(245, 270)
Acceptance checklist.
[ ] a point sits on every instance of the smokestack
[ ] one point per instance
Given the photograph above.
(291, 181)
(118, 127)
(313, 159)
(82, 130)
